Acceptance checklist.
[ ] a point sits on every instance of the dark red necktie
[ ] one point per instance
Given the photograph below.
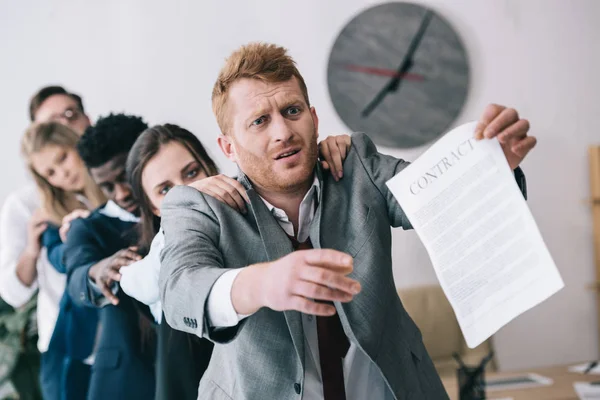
(333, 347)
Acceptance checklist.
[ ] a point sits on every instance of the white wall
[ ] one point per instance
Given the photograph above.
(159, 60)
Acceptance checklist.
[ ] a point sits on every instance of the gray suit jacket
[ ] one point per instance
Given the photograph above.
(263, 356)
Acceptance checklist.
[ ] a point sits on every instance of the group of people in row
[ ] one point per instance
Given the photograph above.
(92, 215)
(135, 294)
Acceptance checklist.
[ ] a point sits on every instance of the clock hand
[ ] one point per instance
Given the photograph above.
(383, 72)
(406, 64)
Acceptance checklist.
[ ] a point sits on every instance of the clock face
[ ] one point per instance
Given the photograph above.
(399, 73)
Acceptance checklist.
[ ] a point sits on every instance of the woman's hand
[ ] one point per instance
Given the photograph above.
(66, 222)
(36, 226)
(225, 189)
(332, 152)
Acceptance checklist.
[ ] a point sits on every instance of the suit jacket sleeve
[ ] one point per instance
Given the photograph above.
(380, 168)
(191, 262)
(55, 248)
(82, 250)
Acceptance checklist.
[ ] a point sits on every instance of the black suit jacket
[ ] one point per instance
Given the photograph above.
(125, 354)
(181, 362)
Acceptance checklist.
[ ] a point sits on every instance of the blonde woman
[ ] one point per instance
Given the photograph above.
(66, 191)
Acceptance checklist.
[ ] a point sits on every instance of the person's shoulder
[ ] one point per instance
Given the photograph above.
(362, 143)
(189, 198)
(96, 217)
(26, 198)
(361, 148)
(97, 213)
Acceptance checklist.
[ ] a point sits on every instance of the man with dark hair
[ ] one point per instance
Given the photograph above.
(55, 103)
(96, 248)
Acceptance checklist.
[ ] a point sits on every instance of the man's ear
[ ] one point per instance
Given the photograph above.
(227, 147)
(315, 118)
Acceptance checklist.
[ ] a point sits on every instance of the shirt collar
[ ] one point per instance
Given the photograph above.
(314, 190)
(112, 210)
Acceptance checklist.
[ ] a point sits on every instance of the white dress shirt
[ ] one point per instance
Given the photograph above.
(362, 378)
(140, 279)
(14, 218)
(112, 210)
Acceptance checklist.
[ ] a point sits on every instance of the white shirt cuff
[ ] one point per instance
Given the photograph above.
(219, 307)
(12, 290)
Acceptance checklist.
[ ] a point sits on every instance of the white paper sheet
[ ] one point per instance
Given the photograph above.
(587, 391)
(517, 382)
(464, 203)
(581, 368)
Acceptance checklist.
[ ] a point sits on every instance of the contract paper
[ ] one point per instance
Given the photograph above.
(464, 203)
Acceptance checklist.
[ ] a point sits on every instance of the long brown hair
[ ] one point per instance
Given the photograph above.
(147, 145)
(55, 201)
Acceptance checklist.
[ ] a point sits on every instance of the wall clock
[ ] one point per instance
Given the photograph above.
(398, 72)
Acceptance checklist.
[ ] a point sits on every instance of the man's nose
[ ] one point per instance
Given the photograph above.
(281, 131)
(122, 191)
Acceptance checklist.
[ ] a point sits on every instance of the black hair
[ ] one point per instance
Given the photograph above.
(112, 135)
(44, 93)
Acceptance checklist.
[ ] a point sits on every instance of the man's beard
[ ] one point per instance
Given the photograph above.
(261, 173)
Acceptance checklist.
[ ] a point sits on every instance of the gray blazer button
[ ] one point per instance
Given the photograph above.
(297, 388)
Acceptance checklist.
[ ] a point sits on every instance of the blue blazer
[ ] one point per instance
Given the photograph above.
(75, 330)
(125, 351)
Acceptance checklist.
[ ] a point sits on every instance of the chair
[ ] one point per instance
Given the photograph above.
(431, 311)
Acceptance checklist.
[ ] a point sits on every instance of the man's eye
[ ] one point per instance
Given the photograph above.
(293, 111)
(164, 190)
(69, 114)
(259, 121)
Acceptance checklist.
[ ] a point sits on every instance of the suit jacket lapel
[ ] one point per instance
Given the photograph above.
(315, 226)
(315, 237)
(276, 245)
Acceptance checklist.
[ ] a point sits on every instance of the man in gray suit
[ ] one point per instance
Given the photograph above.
(322, 322)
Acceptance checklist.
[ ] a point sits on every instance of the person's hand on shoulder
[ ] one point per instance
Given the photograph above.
(106, 271)
(66, 222)
(332, 153)
(225, 189)
(36, 226)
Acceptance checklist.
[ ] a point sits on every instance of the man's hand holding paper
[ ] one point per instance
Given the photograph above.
(462, 199)
(511, 131)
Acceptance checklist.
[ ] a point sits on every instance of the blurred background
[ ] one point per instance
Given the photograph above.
(159, 60)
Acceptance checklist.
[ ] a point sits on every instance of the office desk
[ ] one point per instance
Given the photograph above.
(561, 389)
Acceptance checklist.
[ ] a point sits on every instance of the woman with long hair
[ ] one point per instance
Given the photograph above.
(66, 191)
(162, 157)
(59, 173)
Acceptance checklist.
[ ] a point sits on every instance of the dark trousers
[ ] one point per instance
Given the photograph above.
(25, 376)
(62, 378)
(181, 362)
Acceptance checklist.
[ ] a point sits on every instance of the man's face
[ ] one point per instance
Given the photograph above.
(63, 109)
(112, 180)
(272, 133)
